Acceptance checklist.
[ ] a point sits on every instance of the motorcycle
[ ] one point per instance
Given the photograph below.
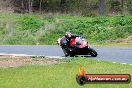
(77, 46)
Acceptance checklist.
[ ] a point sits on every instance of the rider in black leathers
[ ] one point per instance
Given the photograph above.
(69, 36)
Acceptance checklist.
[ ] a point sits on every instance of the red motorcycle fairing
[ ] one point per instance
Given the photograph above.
(72, 42)
(81, 43)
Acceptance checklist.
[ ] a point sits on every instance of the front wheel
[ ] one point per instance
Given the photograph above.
(72, 54)
(92, 52)
(66, 52)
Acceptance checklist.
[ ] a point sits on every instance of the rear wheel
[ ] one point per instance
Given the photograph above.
(92, 52)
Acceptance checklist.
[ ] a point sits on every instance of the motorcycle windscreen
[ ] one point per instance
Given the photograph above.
(80, 42)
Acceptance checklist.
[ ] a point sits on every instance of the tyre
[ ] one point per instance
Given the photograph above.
(72, 55)
(92, 52)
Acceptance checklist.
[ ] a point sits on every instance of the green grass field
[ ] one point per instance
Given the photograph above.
(61, 75)
(35, 29)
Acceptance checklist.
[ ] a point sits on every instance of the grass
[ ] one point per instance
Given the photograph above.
(61, 75)
(35, 29)
(113, 45)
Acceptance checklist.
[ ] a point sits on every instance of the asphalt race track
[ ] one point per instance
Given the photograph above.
(113, 54)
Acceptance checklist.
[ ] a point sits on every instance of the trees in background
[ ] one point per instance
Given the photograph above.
(85, 7)
(101, 7)
(63, 5)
